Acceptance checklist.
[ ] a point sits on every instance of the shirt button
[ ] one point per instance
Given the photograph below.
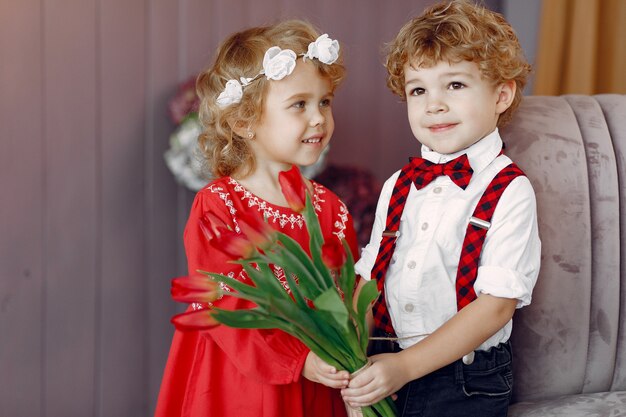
(437, 190)
(424, 226)
(409, 307)
(411, 264)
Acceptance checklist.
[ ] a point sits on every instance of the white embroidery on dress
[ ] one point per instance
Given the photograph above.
(272, 214)
(279, 273)
(318, 190)
(341, 223)
(227, 201)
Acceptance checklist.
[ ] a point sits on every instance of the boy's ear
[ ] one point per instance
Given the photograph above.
(506, 94)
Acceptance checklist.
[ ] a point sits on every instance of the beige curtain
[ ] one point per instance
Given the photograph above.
(582, 47)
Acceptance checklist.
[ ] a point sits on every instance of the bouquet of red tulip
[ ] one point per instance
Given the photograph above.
(320, 308)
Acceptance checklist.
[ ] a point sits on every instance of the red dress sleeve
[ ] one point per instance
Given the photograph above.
(342, 225)
(268, 356)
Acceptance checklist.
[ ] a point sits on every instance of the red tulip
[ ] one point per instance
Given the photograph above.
(333, 254)
(194, 289)
(194, 320)
(256, 229)
(233, 244)
(293, 188)
(209, 224)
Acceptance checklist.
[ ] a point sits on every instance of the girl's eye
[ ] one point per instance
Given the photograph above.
(417, 91)
(325, 103)
(299, 105)
(456, 85)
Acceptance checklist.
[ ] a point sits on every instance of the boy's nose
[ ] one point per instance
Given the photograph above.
(436, 106)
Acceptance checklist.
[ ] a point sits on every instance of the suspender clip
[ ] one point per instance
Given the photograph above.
(483, 224)
(391, 233)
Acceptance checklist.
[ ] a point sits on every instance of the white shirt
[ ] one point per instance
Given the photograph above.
(420, 281)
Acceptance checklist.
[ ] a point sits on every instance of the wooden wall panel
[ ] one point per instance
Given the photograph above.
(163, 242)
(396, 140)
(357, 137)
(122, 68)
(73, 214)
(22, 209)
(262, 12)
(199, 35)
(198, 39)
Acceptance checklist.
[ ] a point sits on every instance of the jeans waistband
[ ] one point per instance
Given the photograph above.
(484, 360)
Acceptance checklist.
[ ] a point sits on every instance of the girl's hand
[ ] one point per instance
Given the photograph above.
(384, 378)
(317, 370)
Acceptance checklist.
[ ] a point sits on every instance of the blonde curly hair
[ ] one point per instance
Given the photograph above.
(241, 55)
(454, 31)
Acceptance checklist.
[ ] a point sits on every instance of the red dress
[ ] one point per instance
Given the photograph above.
(226, 372)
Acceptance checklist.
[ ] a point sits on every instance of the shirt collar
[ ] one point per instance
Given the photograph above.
(480, 154)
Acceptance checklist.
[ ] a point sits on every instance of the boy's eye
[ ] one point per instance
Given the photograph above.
(299, 105)
(417, 91)
(455, 85)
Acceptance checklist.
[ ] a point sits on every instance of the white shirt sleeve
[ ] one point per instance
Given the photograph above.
(511, 254)
(369, 253)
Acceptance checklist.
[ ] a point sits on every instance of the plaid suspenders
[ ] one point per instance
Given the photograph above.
(470, 252)
(476, 232)
(399, 195)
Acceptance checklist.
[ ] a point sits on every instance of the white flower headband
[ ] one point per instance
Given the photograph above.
(279, 63)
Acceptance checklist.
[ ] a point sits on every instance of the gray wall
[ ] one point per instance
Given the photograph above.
(524, 16)
(90, 218)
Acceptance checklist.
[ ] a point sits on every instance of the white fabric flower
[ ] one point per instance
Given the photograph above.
(324, 49)
(184, 158)
(278, 63)
(232, 94)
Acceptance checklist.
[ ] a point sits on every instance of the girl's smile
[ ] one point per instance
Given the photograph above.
(297, 119)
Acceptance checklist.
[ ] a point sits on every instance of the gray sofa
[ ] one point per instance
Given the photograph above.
(570, 343)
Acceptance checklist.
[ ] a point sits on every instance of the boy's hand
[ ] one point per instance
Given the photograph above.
(384, 378)
(317, 370)
(353, 412)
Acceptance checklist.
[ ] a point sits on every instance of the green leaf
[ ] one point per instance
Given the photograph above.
(244, 319)
(369, 293)
(347, 277)
(316, 240)
(312, 343)
(243, 290)
(265, 280)
(331, 302)
(385, 408)
(310, 324)
(295, 258)
(295, 289)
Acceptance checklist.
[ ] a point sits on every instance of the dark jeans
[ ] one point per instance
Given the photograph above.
(481, 389)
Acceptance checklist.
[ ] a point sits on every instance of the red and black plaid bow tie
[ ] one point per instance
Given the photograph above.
(459, 171)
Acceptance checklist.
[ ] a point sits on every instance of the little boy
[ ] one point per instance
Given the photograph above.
(455, 247)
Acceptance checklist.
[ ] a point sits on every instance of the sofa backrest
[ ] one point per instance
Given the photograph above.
(571, 339)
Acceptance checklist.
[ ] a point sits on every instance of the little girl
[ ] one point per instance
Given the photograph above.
(266, 104)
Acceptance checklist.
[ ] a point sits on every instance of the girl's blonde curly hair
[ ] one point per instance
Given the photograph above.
(241, 55)
(456, 31)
